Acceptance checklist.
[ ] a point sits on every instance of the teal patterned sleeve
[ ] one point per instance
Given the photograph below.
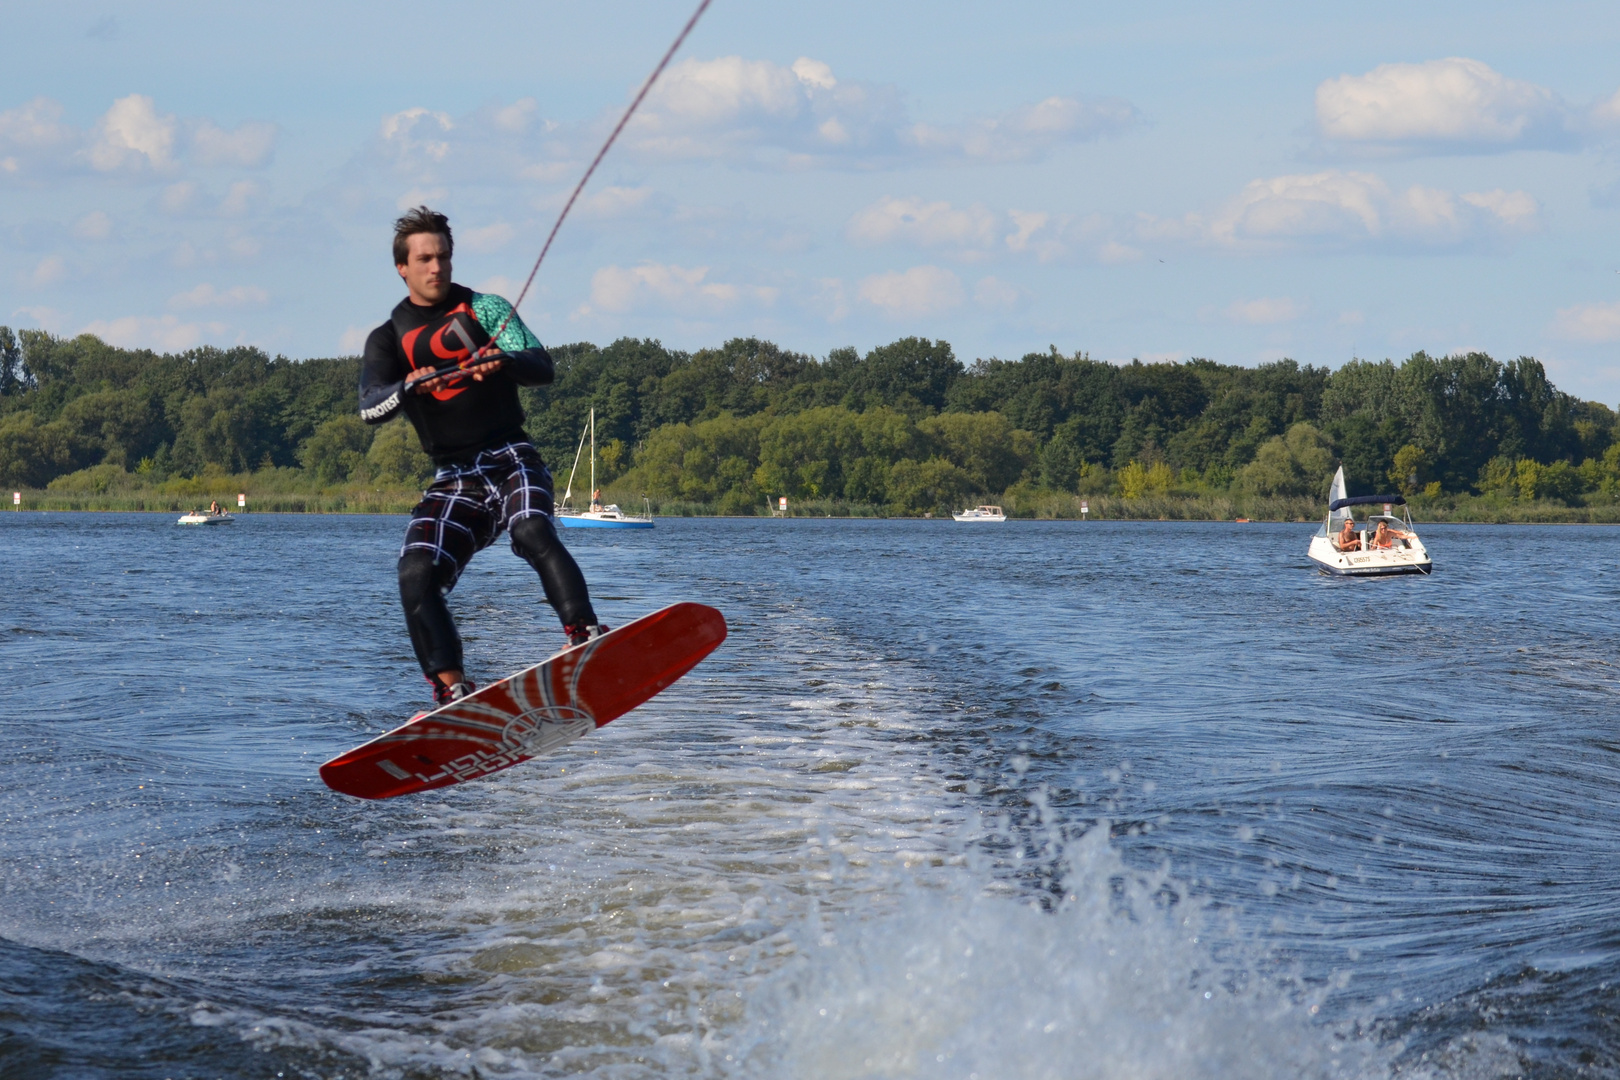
(491, 311)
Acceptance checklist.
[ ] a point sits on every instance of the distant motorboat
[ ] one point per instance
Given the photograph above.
(1369, 552)
(598, 516)
(198, 517)
(981, 513)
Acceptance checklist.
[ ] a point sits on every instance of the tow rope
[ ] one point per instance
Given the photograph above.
(579, 187)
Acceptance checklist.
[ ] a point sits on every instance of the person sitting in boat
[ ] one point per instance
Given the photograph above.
(1384, 537)
(213, 508)
(1348, 540)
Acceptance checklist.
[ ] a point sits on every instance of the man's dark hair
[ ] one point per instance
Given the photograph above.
(419, 220)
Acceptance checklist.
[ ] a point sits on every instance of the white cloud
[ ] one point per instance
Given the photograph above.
(131, 137)
(1332, 209)
(33, 136)
(830, 299)
(614, 202)
(932, 224)
(1266, 311)
(992, 292)
(416, 140)
(165, 332)
(352, 342)
(501, 285)
(1343, 208)
(244, 247)
(178, 198)
(239, 198)
(187, 199)
(516, 117)
(733, 108)
(814, 73)
(1115, 252)
(248, 147)
(406, 122)
(47, 318)
(486, 238)
(1588, 322)
(976, 232)
(731, 89)
(1454, 103)
(421, 197)
(729, 105)
(1028, 131)
(621, 289)
(206, 295)
(1511, 208)
(95, 225)
(921, 290)
(49, 270)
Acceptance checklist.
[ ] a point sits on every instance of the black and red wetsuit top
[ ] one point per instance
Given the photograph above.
(457, 421)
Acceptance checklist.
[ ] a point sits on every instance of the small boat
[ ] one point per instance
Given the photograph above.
(981, 513)
(598, 516)
(199, 517)
(1370, 551)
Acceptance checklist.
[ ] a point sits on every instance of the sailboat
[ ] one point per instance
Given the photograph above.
(598, 516)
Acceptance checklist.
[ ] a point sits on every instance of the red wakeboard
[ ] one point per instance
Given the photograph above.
(533, 712)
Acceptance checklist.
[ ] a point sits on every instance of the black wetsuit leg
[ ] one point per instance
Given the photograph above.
(452, 522)
(422, 588)
(535, 541)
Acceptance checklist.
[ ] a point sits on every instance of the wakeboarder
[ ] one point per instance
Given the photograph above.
(436, 362)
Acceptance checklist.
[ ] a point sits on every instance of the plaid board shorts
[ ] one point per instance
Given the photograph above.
(467, 506)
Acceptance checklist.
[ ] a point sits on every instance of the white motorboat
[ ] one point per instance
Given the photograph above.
(981, 513)
(1380, 545)
(198, 517)
(598, 516)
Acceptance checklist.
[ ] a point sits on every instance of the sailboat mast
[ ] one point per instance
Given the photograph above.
(568, 493)
(593, 455)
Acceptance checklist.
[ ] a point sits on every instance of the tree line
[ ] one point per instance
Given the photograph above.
(907, 426)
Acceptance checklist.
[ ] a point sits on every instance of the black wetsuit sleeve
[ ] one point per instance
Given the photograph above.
(530, 367)
(382, 376)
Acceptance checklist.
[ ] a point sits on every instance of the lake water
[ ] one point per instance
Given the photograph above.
(1095, 800)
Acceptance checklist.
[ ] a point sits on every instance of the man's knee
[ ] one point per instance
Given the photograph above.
(534, 537)
(420, 577)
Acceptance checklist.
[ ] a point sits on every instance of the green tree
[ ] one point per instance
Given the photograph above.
(336, 448)
(913, 375)
(1300, 462)
(12, 372)
(1410, 471)
(1557, 482)
(1136, 480)
(1499, 476)
(804, 454)
(988, 449)
(397, 456)
(700, 462)
(32, 453)
(934, 485)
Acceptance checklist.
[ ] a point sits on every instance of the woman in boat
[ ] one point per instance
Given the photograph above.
(213, 508)
(1384, 536)
(1348, 541)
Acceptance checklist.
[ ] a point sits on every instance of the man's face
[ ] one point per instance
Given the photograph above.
(426, 270)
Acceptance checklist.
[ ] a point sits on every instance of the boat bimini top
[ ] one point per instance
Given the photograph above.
(1367, 500)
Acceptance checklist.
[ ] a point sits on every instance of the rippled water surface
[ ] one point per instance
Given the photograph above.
(1023, 800)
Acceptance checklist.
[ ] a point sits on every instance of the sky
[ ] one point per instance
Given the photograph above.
(1241, 182)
